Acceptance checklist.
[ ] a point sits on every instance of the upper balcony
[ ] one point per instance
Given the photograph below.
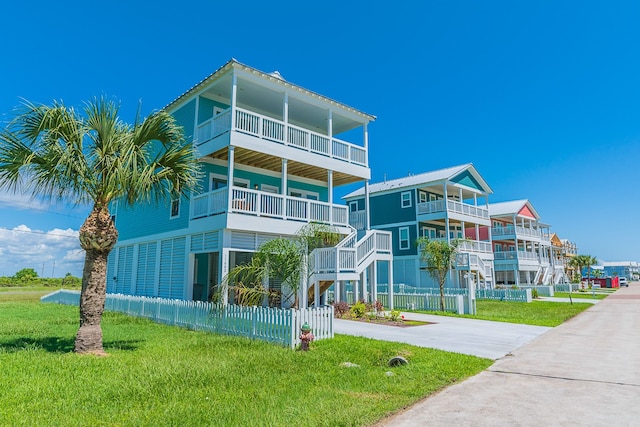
(262, 204)
(279, 132)
(453, 209)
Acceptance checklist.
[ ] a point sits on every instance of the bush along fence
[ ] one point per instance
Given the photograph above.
(278, 326)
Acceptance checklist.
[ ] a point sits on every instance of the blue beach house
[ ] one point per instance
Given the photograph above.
(272, 153)
(447, 204)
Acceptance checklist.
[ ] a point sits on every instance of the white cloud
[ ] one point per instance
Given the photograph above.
(51, 253)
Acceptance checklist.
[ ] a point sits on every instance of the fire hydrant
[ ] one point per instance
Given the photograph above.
(305, 337)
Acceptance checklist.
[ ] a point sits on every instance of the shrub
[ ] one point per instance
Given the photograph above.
(358, 309)
(340, 309)
(534, 293)
(394, 315)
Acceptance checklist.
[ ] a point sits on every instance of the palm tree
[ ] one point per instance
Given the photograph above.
(92, 157)
(439, 256)
(579, 262)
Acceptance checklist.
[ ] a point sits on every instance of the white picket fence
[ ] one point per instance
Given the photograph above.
(278, 326)
(452, 303)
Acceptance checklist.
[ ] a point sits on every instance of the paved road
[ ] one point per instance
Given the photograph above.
(481, 338)
(585, 372)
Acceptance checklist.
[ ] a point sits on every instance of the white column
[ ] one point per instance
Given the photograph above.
(366, 277)
(316, 294)
(285, 117)
(230, 163)
(234, 92)
(330, 128)
(337, 289)
(365, 138)
(356, 288)
(390, 281)
(367, 225)
(374, 281)
(195, 121)
(446, 213)
(283, 184)
(223, 273)
(330, 194)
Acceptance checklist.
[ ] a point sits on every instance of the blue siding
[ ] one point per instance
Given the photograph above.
(387, 209)
(172, 268)
(145, 219)
(395, 240)
(185, 116)
(205, 108)
(465, 178)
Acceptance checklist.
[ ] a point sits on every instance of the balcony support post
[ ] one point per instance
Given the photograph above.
(367, 221)
(365, 138)
(330, 194)
(283, 178)
(234, 92)
(230, 163)
(390, 282)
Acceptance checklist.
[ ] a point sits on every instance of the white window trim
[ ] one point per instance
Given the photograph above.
(176, 216)
(423, 196)
(236, 180)
(353, 206)
(426, 232)
(402, 200)
(400, 239)
(305, 193)
(270, 188)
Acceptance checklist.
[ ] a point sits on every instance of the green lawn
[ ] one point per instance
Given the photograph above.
(587, 295)
(540, 313)
(157, 375)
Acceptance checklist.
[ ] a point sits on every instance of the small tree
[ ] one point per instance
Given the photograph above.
(26, 274)
(439, 256)
(286, 260)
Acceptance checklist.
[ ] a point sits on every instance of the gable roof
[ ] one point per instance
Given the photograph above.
(422, 179)
(513, 207)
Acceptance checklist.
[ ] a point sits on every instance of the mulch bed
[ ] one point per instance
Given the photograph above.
(388, 322)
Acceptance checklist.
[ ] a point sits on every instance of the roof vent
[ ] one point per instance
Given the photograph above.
(277, 75)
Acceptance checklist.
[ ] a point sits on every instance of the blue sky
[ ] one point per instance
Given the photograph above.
(543, 97)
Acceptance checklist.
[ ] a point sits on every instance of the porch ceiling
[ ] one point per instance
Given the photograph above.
(273, 163)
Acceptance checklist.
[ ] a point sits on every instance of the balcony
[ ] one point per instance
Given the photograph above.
(452, 207)
(516, 255)
(275, 131)
(516, 231)
(263, 204)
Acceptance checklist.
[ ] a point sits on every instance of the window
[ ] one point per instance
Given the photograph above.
(353, 206)
(429, 232)
(270, 188)
(217, 181)
(405, 199)
(422, 196)
(433, 197)
(175, 208)
(403, 234)
(303, 194)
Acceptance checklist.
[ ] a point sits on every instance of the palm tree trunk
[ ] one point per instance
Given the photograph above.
(98, 235)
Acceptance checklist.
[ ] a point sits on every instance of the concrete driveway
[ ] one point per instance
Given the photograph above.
(481, 338)
(585, 372)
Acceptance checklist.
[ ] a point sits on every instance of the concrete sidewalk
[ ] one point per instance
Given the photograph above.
(585, 372)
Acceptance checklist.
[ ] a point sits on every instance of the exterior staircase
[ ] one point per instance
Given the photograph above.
(347, 260)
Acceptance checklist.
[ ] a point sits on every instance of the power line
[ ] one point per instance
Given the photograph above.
(15, 205)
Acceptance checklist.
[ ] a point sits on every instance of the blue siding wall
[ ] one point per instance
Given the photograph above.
(145, 219)
(387, 209)
(205, 108)
(465, 178)
(395, 240)
(185, 117)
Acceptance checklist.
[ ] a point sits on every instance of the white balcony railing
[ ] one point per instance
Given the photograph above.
(518, 231)
(260, 203)
(278, 131)
(452, 206)
(513, 255)
(358, 219)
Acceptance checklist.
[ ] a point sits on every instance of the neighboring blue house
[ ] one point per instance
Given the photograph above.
(442, 204)
(271, 160)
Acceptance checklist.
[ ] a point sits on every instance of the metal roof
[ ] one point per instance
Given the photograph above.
(440, 175)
